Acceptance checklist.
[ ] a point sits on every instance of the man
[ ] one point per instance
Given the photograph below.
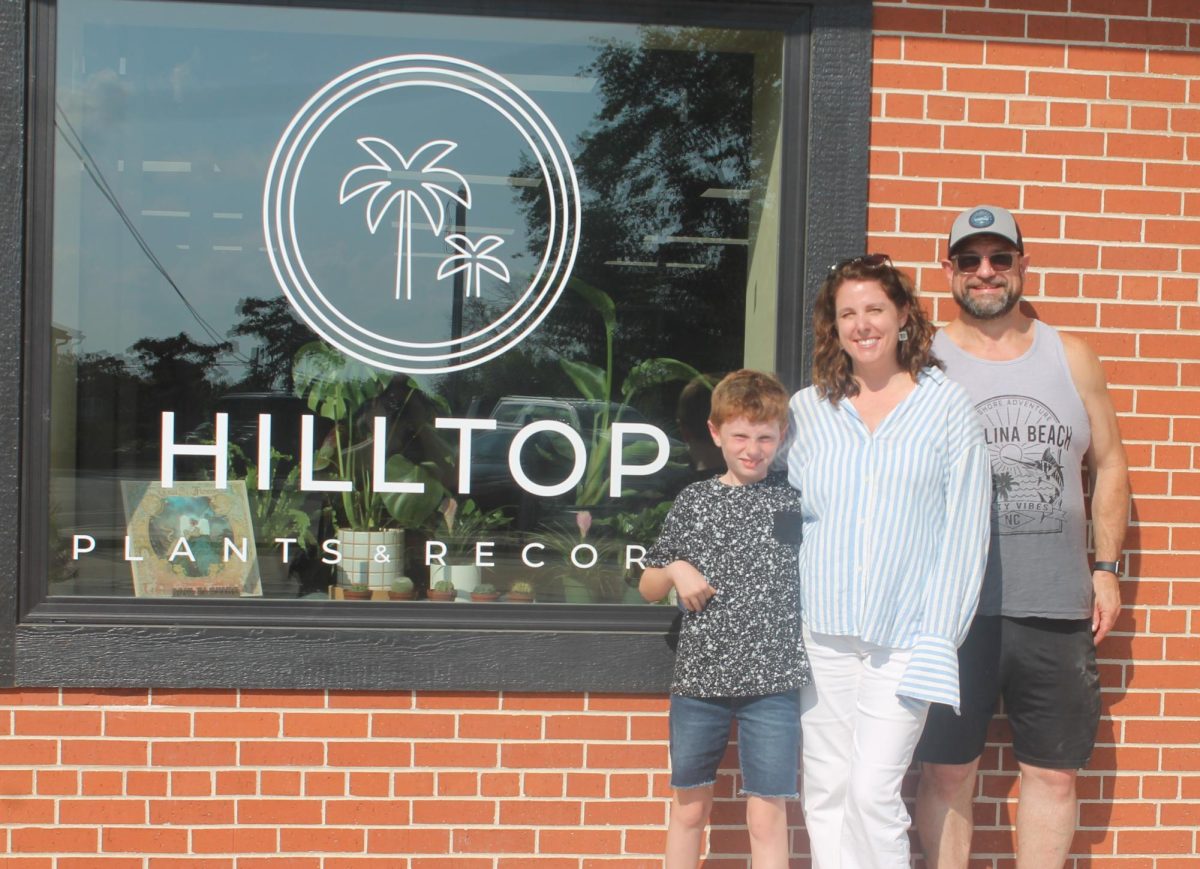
(1044, 407)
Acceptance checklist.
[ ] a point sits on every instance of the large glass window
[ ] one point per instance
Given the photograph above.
(340, 297)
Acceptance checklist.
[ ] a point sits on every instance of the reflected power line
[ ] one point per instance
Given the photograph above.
(75, 143)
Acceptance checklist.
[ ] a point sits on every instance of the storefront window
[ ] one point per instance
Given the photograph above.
(340, 297)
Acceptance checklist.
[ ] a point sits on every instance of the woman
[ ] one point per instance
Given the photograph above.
(893, 473)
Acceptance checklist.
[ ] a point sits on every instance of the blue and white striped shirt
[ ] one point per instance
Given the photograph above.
(895, 525)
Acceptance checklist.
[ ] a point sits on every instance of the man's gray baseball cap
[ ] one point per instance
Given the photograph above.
(986, 220)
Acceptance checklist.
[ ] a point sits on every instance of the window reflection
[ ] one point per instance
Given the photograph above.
(164, 299)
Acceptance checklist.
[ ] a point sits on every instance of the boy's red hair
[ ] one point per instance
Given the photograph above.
(755, 395)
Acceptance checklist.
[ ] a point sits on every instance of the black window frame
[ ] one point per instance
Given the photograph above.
(101, 642)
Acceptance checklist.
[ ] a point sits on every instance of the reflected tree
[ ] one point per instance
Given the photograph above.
(667, 162)
(668, 168)
(279, 335)
(179, 374)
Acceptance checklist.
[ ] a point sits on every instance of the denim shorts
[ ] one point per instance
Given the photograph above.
(768, 741)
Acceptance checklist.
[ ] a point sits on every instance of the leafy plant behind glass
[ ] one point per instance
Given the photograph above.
(596, 384)
(350, 394)
(465, 525)
(578, 584)
(277, 512)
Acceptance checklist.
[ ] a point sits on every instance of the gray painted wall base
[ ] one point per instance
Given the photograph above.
(377, 660)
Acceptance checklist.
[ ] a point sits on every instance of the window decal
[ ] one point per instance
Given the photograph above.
(405, 181)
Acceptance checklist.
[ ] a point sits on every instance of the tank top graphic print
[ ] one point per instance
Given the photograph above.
(1028, 445)
(1037, 433)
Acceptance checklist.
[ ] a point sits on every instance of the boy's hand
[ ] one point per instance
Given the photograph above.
(691, 588)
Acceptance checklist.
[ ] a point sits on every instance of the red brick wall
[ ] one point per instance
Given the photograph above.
(337, 780)
(1081, 115)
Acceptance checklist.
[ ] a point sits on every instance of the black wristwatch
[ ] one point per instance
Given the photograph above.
(1111, 566)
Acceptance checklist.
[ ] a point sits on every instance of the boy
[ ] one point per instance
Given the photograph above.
(740, 656)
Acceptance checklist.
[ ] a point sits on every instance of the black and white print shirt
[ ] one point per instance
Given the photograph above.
(746, 641)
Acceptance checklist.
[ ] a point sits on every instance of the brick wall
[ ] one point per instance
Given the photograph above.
(1081, 115)
(338, 780)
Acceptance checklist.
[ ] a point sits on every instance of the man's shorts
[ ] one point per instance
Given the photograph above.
(768, 741)
(1045, 669)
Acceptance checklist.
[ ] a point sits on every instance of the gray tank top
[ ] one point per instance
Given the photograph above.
(1037, 432)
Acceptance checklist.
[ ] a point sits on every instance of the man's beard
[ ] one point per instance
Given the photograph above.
(989, 308)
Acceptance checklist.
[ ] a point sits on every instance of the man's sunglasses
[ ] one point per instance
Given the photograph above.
(969, 263)
(870, 260)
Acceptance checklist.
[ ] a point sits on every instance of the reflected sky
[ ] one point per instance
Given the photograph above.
(177, 108)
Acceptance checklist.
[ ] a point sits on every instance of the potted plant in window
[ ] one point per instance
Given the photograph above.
(442, 590)
(585, 565)
(640, 527)
(353, 397)
(461, 527)
(485, 592)
(401, 589)
(520, 592)
(356, 591)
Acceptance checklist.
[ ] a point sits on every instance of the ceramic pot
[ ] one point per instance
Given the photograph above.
(374, 558)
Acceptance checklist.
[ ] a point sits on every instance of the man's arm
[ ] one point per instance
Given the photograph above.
(1109, 473)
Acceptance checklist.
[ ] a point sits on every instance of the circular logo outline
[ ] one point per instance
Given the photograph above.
(283, 180)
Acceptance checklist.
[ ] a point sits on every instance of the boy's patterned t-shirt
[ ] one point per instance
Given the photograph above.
(746, 641)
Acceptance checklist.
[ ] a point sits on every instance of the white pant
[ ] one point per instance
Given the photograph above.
(858, 740)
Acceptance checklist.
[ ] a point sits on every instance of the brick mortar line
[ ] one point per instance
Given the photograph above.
(1032, 40)
(1049, 99)
(950, 6)
(1048, 128)
(1097, 215)
(1025, 155)
(883, 176)
(1028, 13)
(1065, 69)
(1149, 77)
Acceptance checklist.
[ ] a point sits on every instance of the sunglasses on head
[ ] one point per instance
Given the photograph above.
(969, 263)
(870, 260)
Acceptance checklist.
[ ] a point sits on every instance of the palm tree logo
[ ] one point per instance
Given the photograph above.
(399, 175)
(475, 258)
(1002, 485)
(428, 189)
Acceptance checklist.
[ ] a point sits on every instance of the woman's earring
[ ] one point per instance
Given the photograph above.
(903, 336)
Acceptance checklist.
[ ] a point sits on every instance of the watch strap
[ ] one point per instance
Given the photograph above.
(1111, 566)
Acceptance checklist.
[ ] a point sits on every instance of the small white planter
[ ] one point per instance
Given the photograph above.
(372, 557)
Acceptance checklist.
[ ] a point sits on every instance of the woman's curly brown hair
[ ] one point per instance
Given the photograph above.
(833, 373)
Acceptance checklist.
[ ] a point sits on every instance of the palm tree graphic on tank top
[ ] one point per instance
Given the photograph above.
(1026, 444)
